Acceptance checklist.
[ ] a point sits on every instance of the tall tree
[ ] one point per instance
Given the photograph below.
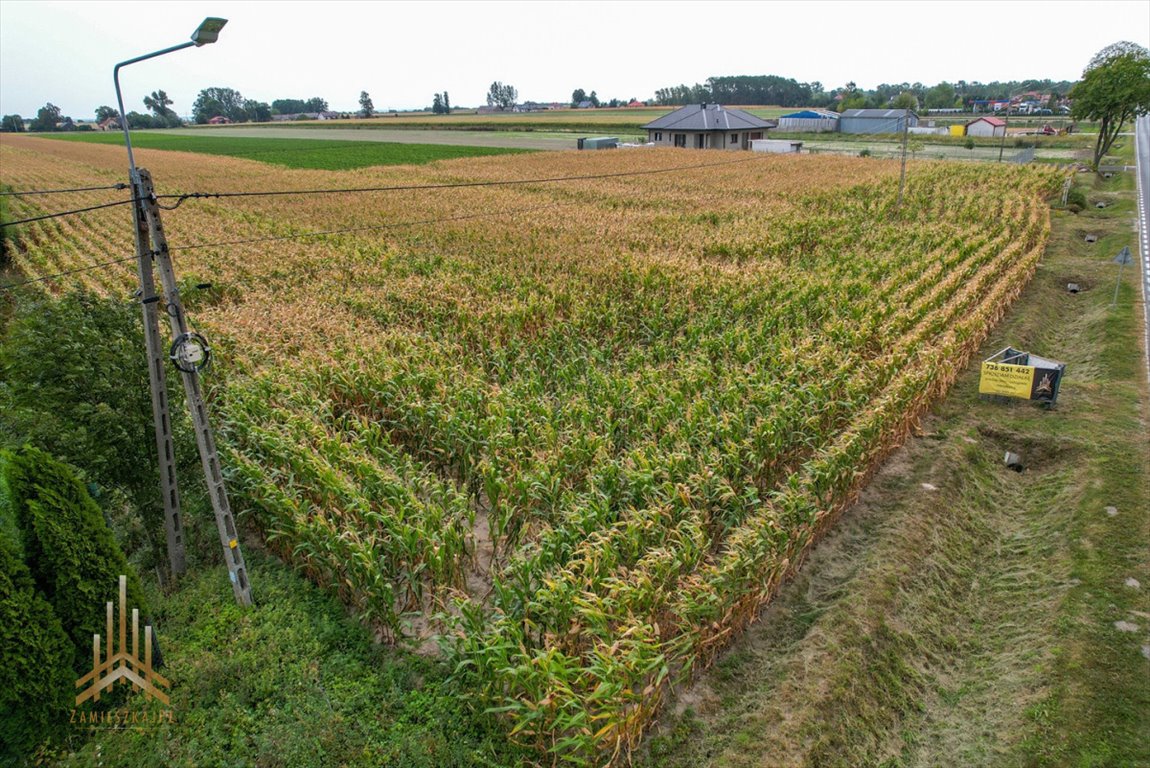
(12, 124)
(289, 106)
(159, 103)
(221, 102)
(578, 96)
(258, 111)
(315, 104)
(46, 118)
(104, 112)
(437, 105)
(446, 103)
(905, 100)
(1114, 89)
(941, 96)
(502, 96)
(366, 108)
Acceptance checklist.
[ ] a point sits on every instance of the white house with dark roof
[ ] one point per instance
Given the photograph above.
(707, 126)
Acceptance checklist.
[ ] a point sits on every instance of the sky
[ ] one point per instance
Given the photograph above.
(402, 53)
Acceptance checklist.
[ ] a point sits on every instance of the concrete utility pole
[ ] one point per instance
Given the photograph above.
(165, 448)
(1005, 128)
(902, 173)
(189, 352)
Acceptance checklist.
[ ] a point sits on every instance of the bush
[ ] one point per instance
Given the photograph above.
(36, 676)
(69, 549)
(74, 382)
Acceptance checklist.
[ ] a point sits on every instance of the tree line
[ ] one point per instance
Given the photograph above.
(211, 102)
(788, 92)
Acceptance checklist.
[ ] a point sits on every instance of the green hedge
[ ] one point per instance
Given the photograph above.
(36, 679)
(71, 554)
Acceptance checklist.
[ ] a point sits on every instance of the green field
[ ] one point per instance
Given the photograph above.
(294, 153)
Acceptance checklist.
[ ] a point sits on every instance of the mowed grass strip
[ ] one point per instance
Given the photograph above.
(319, 154)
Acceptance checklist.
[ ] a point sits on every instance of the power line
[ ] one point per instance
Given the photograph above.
(452, 185)
(393, 225)
(65, 273)
(62, 191)
(180, 198)
(194, 246)
(67, 213)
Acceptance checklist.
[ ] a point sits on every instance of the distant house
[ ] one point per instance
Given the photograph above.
(986, 126)
(876, 120)
(707, 126)
(290, 116)
(809, 121)
(636, 103)
(109, 124)
(585, 104)
(219, 120)
(989, 105)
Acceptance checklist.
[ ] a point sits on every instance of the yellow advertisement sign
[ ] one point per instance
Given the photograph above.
(1008, 380)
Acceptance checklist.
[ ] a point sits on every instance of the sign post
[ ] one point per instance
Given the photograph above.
(1122, 259)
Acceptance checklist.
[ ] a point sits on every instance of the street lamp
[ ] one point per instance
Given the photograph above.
(207, 32)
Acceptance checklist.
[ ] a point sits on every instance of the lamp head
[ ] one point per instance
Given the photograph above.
(208, 31)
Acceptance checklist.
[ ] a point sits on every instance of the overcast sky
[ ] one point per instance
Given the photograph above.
(402, 53)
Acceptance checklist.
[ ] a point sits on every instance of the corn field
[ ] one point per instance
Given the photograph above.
(582, 430)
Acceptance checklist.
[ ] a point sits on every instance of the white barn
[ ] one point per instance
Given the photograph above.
(986, 126)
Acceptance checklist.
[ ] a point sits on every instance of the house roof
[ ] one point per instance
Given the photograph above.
(708, 117)
(995, 121)
(877, 114)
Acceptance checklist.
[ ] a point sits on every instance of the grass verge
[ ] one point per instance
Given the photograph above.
(292, 682)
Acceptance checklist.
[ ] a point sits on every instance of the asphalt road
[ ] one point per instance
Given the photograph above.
(1142, 152)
